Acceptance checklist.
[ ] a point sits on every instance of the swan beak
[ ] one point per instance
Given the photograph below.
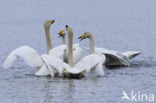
(82, 37)
(60, 33)
(52, 21)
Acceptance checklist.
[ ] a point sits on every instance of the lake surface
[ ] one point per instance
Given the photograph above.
(116, 24)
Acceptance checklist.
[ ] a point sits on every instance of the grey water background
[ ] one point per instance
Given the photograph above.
(116, 24)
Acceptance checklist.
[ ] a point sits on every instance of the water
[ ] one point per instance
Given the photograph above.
(117, 25)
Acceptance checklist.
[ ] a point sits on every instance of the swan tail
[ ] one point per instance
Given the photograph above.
(28, 54)
(131, 54)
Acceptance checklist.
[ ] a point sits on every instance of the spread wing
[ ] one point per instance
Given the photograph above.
(131, 54)
(29, 55)
(113, 57)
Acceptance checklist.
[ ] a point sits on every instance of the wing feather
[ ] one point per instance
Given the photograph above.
(113, 57)
(77, 54)
(58, 51)
(29, 55)
(90, 62)
(131, 54)
(54, 64)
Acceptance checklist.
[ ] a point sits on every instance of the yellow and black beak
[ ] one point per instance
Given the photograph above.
(82, 37)
(52, 21)
(61, 33)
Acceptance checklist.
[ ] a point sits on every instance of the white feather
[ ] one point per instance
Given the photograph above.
(77, 54)
(58, 51)
(85, 65)
(54, 63)
(29, 55)
(131, 54)
(116, 58)
(43, 71)
(47, 64)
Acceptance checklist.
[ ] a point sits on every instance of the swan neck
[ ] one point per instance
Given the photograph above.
(48, 40)
(92, 48)
(70, 50)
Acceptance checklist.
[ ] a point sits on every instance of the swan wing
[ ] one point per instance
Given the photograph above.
(113, 57)
(55, 64)
(108, 55)
(77, 55)
(58, 51)
(90, 62)
(131, 54)
(29, 55)
(103, 50)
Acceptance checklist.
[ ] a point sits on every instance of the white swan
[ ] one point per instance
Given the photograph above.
(110, 58)
(77, 50)
(89, 63)
(31, 57)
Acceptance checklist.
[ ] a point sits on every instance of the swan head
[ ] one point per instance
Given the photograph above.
(62, 33)
(84, 36)
(48, 23)
(69, 30)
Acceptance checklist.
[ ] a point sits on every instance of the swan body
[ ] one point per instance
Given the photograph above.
(77, 50)
(109, 57)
